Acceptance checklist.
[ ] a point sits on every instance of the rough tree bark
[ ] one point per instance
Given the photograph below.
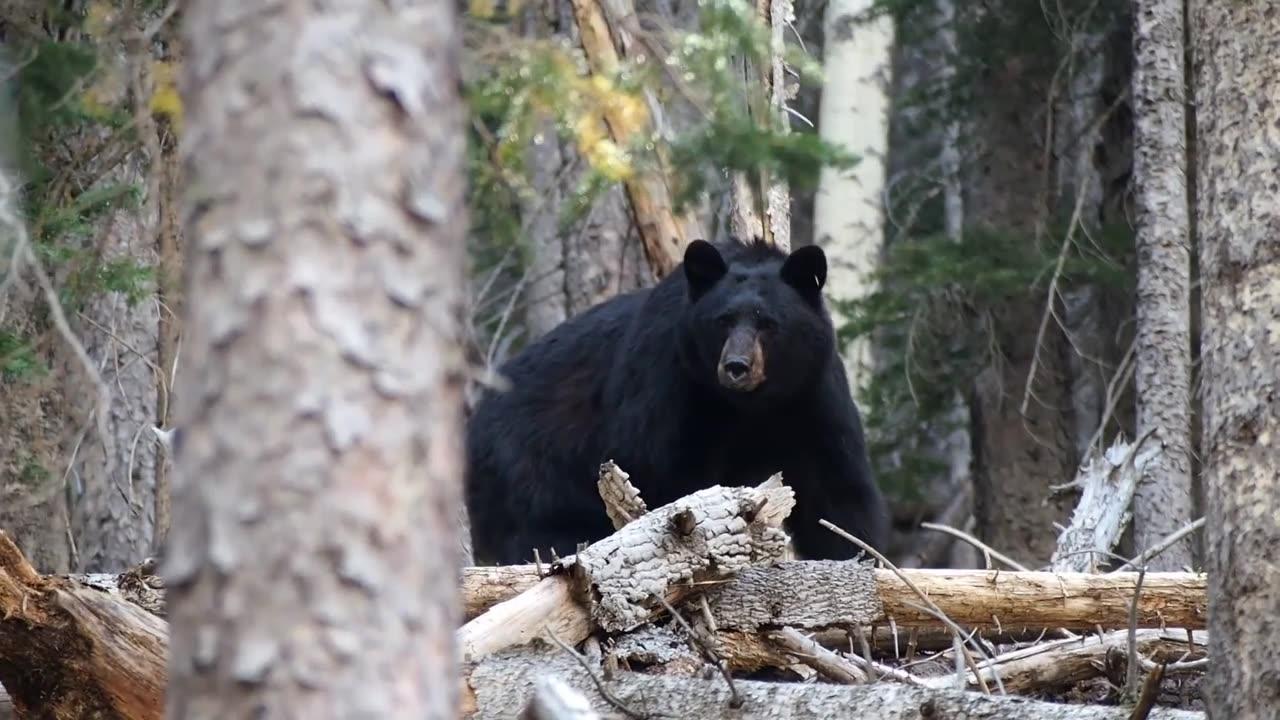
(764, 212)
(849, 206)
(323, 392)
(1162, 503)
(76, 492)
(114, 482)
(1237, 72)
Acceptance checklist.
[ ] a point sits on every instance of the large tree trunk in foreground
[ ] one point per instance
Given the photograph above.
(323, 395)
(1163, 352)
(1237, 57)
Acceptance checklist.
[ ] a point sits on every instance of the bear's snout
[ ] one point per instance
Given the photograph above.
(741, 361)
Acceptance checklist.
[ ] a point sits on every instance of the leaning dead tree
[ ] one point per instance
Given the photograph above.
(663, 234)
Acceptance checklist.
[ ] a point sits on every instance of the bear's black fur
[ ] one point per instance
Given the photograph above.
(723, 373)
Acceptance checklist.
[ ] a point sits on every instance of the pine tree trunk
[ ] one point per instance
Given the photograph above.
(1162, 503)
(114, 481)
(79, 475)
(1237, 72)
(1022, 440)
(322, 391)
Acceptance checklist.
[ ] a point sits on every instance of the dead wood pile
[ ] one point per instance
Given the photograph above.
(687, 610)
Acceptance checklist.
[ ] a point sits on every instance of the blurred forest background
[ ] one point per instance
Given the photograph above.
(968, 168)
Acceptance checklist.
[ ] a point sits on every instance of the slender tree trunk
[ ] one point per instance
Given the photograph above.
(33, 503)
(1078, 116)
(849, 205)
(1162, 503)
(322, 391)
(1022, 440)
(114, 482)
(957, 445)
(79, 487)
(1237, 72)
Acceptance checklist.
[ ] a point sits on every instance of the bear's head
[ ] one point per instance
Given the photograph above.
(756, 327)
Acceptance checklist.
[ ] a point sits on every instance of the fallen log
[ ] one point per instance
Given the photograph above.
(501, 685)
(484, 587)
(71, 650)
(816, 594)
(554, 700)
(618, 583)
(1060, 663)
(813, 594)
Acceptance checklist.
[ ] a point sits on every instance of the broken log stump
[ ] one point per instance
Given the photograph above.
(70, 650)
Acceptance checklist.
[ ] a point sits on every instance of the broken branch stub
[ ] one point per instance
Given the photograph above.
(712, 533)
(622, 500)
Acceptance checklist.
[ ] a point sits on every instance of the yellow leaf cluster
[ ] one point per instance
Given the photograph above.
(627, 116)
(482, 9)
(99, 16)
(599, 149)
(488, 9)
(165, 100)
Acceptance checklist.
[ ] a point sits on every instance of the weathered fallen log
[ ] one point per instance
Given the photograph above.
(617, 583)
(71, 650)
(501, 685)
(484, 587)
(816, 594)
(1060, 663)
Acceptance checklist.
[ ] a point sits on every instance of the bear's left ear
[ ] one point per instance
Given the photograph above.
(703, 267)
(806, 269)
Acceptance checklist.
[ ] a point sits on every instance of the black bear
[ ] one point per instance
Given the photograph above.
(723, 373)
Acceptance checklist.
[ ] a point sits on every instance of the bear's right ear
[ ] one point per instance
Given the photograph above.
(703, 267)
(806, 270)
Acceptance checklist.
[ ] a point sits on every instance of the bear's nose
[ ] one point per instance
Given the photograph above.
(736, 368)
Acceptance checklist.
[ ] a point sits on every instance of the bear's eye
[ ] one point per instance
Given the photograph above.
(763, 322)
(725, 321)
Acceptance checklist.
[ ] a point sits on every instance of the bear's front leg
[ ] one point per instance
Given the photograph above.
(836, 485)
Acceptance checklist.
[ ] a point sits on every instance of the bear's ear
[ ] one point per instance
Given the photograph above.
(703, 267)
(806, 269)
